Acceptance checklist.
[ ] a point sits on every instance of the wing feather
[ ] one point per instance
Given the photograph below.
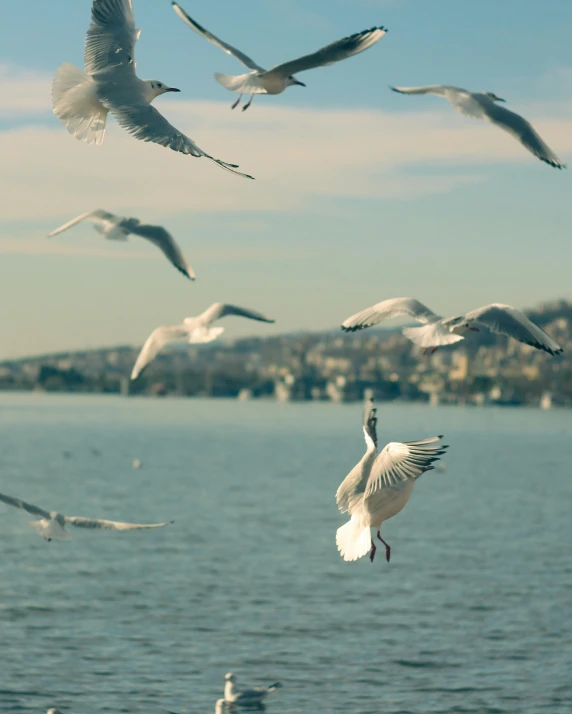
(387, 310)
(155, 343)
(219, 309)
(224, 46)
(110, 525)
(399, 462)
(334, 52)
(161, 238)
(111, 37)
(29, 507)
(97, 215)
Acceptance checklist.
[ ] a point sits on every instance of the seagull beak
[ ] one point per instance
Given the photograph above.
(498, 99)
(172, 89)
(474, 329)
(301, 84)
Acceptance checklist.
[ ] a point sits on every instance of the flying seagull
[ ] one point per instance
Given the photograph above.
(483, 105)
(52, 525)
(277, 79)
(115, 227)
(194, 330)
(379, 486)
(82, 100)
(438, 331)
(245, 697)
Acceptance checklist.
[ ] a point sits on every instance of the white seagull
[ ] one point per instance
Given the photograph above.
(194, 330)
(379, 486)
(482, 105)
(118, 228)
(437, 331)
(277, 79)
(82, 100)
(245, 697)
(53, 711)
(52, 525)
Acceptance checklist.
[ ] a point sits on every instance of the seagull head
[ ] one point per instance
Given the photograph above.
(493, 97)
(229, 677)
(156, 88)
(292, 80)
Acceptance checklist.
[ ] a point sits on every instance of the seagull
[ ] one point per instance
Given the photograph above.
(245, 697)
(277, 79)
(436, 331)
(118, 228)
(379, 486)
(52, 524)
(482, 105)
(82, 100)
(53, 711)
(194, 330)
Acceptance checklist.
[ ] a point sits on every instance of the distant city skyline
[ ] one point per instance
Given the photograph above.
(361, 194)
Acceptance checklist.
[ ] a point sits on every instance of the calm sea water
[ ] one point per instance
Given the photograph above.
(473, 614)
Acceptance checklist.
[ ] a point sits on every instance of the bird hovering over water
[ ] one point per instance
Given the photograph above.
(437, 331)
(52, 525)
(379, 486)
(277, 79)
(118, 228)
(194, 330)
(484, 105)
(83, 99)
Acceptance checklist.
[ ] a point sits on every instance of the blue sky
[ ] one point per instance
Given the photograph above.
(361, 194)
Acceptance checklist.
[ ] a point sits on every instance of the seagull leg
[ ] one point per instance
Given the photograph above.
(433, 350)
(425, 350)
(245, 107)
(234, 106)
(372, 552)
(387, 548)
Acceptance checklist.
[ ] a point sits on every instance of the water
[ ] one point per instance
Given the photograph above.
(473, 614)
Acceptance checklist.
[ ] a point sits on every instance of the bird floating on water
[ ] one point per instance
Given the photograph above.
(245, 697)
(118, 228)
(194, 330)
(379, 486)
(484, 105)
(51, 525)
(437, 331)
(277, 79)
(83, 99)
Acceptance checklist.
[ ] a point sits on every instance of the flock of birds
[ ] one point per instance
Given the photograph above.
(379, 486)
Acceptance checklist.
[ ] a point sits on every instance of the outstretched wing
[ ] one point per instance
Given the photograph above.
(388, 309)
(111, 37)
(110, 525)
(144, 122)
(166, 243)
(29, 507)
(340, 50)
(225, 47)
(507, 320)
(438, 89)
(523, 131)
(353, 486)
(154, 344)
(97, 215)
(403, 461)
(220, 309)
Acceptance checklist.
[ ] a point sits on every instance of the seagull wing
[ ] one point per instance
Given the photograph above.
(166, 243)
(144, 122)
(154, 344)
(340, 50)
(97, 215)
(388, 309)
(353, 486)
(110, 525)
(220, 309)
(111, 37)
(507, 320)
(29, 507)
(229, 49)
(438, 89)
(523, 131)
(403, 461)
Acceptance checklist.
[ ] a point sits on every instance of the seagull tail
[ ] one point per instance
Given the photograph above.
(229, 81)
(76, 104)
(353, 539)
(50, 530)
(200, 335)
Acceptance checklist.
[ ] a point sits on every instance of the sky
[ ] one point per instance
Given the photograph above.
(361, 194)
